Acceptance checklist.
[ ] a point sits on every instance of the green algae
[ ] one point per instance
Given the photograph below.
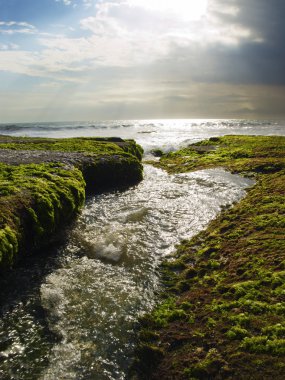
(88, 145)
(236, 153)
(231, 275)
(8, 245)
(38, 199)
(115, 171)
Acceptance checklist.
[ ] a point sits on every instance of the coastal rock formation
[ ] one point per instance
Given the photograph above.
(222, 314)
(43, 184)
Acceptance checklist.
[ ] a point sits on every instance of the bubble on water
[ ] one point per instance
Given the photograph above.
(122, 238)
(108, 277)
(137, 215)
(69, 355)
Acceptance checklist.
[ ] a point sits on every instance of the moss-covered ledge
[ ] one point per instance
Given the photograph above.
(43, 184)
(223, 310)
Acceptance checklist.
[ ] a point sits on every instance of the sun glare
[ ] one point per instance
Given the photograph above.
(187, 9)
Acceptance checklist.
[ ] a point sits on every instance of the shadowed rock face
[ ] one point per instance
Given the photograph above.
(43, 184)
(100, 172)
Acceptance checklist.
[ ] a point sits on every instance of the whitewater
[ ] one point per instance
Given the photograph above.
(76, 312)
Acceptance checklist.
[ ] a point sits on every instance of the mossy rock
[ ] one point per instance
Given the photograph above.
(232, 274)
(37, 201)
(248, 154)
(43, 184)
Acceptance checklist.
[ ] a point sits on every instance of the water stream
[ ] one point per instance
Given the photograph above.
(77, 316)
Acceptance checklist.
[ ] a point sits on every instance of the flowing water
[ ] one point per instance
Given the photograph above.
(72, 313)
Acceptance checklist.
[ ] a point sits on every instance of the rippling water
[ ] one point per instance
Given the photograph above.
(151, 134)
(72, 312)
(78, 319)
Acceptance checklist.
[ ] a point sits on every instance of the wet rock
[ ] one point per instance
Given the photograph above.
(43, 184)
(157, 152)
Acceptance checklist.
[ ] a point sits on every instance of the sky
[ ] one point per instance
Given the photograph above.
(69, 60)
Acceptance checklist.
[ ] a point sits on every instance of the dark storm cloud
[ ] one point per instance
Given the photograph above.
(130, 61)
(260, 60)
(266, 17)
(256, 58)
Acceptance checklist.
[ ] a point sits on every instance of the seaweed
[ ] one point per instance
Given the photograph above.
(38, 199)
(231, 275)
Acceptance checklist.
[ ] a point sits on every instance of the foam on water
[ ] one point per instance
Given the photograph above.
(109, 274)
(151, 134)
(106, 275)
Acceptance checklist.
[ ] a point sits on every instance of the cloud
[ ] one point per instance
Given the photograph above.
(258, 59)
(136, 20)
(234, 41)
(9, 46)
(65, 2)
(13, 27)
(130, 33)
(147, 56)
(76, 3)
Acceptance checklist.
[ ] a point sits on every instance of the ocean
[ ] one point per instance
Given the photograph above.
(151, 134)
(76, 313)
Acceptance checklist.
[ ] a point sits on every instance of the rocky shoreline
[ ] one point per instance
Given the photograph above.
(43, 184)
(222, 313)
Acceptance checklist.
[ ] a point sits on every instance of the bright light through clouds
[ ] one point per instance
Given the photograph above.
(141, 58)
(187, 9)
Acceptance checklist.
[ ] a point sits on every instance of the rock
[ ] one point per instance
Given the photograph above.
(157, 152)
(43, 184)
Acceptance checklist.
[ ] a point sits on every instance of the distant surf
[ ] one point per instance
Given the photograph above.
(167, 134)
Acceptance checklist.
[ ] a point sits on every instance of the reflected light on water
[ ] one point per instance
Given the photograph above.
(110, 271)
